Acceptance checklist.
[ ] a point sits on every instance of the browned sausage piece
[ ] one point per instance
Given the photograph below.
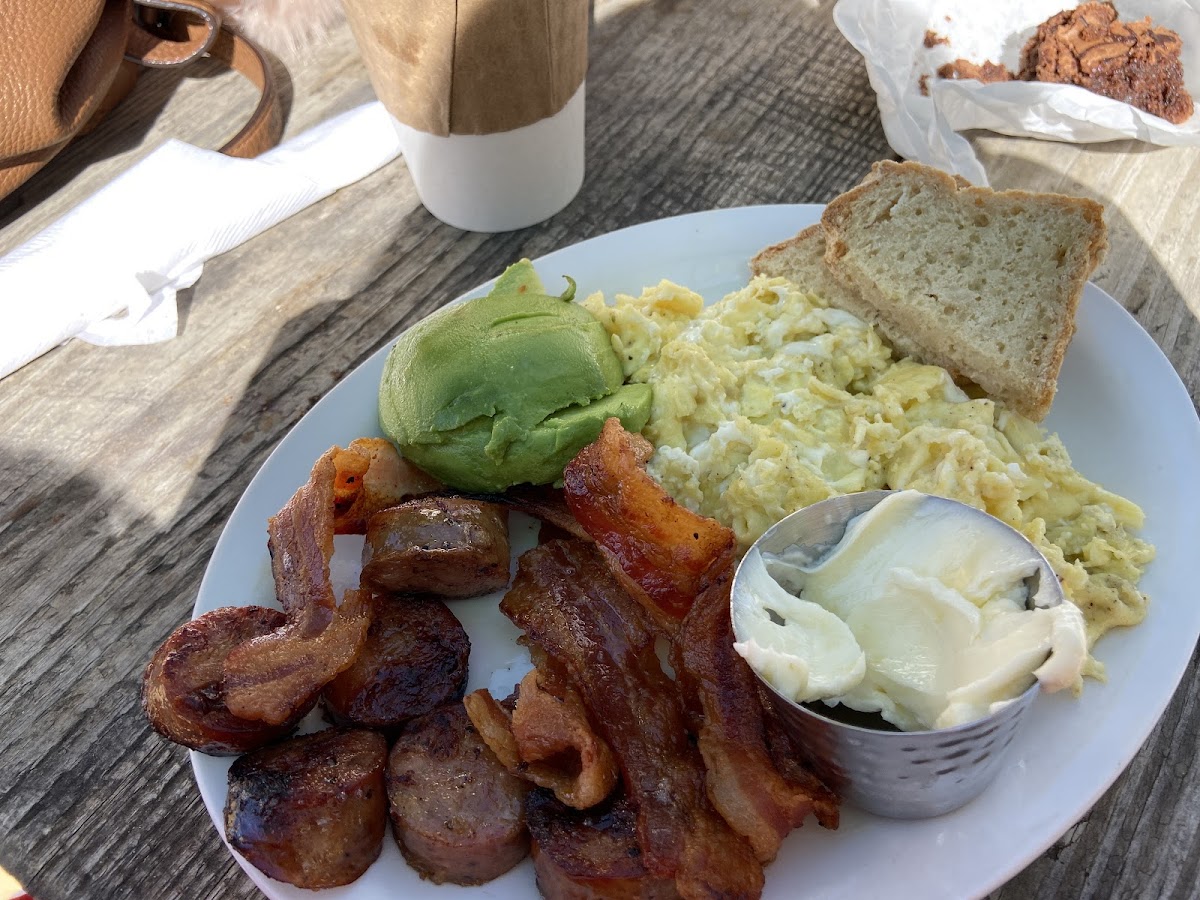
(457, 813)
(589, 854)
(182, 692)
(414, 660)
(310, 811)
(449, 546)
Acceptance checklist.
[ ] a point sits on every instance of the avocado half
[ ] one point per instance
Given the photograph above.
(505, 389)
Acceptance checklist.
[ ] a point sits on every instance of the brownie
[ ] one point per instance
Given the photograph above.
(1134, 62)
(987, 71)
(932, 38)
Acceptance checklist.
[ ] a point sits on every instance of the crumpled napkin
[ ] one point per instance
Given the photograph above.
(890, 36)
(108, 271)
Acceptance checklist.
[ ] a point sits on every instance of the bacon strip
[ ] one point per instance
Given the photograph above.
(494, 724)
(660, 551)
(371, 476)
(300, 540)
(742, 781)
(789, 761)
(567, 601)
(271, 677)
(547, 740)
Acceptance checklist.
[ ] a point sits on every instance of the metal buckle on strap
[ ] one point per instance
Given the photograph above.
(166, 32)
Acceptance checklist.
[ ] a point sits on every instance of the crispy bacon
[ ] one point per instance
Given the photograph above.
(270, 677)
(300, 541)
(551, 726)
(494, 724)
(182, 687)
(790, 762)
(568, 602)
(372, 475)
(742, 781)
(547, 740)
(659, 550)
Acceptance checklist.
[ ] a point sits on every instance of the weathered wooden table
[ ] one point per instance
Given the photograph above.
(119, 467)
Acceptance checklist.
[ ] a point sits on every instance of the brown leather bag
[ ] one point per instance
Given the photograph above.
(64, 64)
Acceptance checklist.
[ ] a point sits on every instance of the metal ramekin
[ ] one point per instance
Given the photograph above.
(906, 775)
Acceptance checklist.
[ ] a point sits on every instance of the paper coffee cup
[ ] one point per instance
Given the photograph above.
(488, 99)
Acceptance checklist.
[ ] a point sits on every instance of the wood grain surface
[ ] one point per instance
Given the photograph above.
(119, 466)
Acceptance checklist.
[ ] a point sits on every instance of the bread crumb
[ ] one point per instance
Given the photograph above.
(932, 38)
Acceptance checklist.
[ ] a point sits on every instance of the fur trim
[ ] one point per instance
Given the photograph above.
(282, 26)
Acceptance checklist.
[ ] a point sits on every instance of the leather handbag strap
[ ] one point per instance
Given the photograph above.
(173, 32)
(58, 79)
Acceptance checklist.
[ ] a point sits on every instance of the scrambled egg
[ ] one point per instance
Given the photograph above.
(771, 399)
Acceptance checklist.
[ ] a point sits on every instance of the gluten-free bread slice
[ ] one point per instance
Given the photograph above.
(801, 260)
(983, 283)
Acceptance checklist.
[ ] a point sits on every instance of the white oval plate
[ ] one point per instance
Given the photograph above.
(1125, 418)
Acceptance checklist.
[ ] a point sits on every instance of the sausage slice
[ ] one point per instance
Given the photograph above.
(590, 854)
(449, 546)
(458, 815)
(310, 811)
(182, 686)
(414, 660)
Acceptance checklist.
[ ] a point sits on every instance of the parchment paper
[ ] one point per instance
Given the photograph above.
(890, 36)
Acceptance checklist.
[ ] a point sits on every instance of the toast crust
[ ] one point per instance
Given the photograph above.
(938, 335)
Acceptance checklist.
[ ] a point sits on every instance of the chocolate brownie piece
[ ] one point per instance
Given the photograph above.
(986, 71)
(1134, 62)
(932, 38)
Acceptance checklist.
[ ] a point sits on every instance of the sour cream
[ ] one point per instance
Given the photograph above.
(925, 612)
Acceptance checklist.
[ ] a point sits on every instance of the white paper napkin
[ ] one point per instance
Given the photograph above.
(108, 271)
(890, 36)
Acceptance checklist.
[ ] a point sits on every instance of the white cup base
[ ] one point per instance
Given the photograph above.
(503, 181)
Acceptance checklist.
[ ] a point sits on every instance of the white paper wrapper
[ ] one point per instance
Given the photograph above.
(108, 272)
(890, 35)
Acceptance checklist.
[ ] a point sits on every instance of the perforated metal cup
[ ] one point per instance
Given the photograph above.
(906, 775)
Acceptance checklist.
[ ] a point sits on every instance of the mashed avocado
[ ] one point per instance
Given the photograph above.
(505, 389)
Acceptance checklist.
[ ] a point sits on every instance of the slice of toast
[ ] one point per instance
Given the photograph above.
(801, 260)
(983, 283)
